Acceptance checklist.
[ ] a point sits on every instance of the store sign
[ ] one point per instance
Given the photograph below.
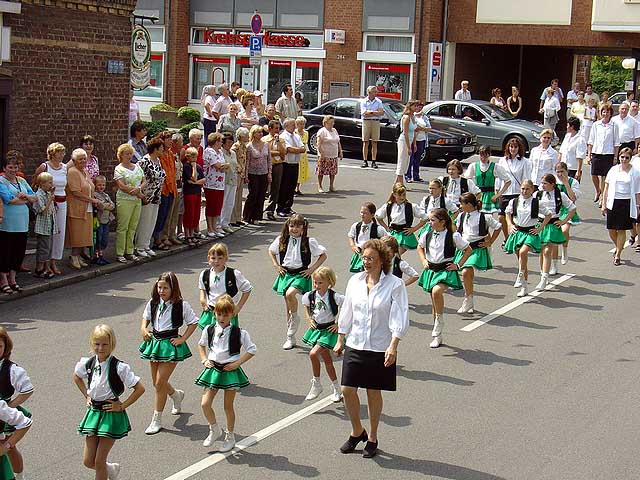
(334, 36)
(243, 39)
(434, 74)
(140, 57)
(389, 79)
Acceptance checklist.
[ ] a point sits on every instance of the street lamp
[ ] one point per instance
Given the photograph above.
(632, 64)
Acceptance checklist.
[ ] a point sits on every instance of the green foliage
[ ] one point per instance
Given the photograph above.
(184, 131)
(189, 114)
(154, 128)
(163, 107)
(607, 74)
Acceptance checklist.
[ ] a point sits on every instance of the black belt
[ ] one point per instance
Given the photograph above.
(487, 189)
(399, 228)
(475, 245)
(553, 220)
(324, 326)
(439, 267)
(525, 229)
(165, 334)
(295, 271)
(100, 406)
(219, 366)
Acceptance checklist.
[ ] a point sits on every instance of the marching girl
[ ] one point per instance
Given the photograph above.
(571, 187)
(292, 253)
(398, 266)
(551, 200)
(519, 169)
(106, 419)
(366, 229)
(484, 173)
(397, 216)
(20, 423)
(220, 345)
(524, 227)
(162, 343)
(218, 280)
(437, 250)
(13, 381)
(321, 307)
(455, 185)
(437, 199)
(474, 227)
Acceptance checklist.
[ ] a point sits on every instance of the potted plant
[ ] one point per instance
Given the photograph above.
(165, 112)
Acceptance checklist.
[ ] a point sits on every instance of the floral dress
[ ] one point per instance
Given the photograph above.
(155, 174)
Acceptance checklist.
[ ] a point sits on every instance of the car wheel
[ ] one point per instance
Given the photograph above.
(517, 137)
(425, 161)
(312, 144)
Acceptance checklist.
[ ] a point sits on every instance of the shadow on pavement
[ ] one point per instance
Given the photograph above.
(483, 357)
(424, 376)
(254, 390)
(505, 321)
(272, 462)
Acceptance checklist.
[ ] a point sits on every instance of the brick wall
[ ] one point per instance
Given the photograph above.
(177, 84)
(60, 86)
(431, 32)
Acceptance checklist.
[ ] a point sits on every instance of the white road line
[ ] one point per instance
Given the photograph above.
(515, 304)
(247, 442)
(626, 244)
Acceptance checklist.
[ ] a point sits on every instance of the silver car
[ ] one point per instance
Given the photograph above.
(492, 126)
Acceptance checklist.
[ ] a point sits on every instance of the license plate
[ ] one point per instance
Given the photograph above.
(467, 149)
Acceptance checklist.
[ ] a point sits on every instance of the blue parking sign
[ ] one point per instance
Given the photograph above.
(255, 43)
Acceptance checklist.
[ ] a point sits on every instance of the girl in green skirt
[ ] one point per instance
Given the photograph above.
(106, 419)
(397, 217)
(366, 229)
(437, 199)
(321, 310)
(295, 256)
(13, 381)
(20, 423)
(437, 250)
(484, 174)
(551, 200)
(480, 230)
(220, 345)
(571, 187)
(524, 228)
(163, 345)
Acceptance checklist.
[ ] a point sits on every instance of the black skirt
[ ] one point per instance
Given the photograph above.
(365, 369)
(600, 164)
(618, 218)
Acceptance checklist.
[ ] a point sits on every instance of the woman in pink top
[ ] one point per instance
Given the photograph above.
(329, 151)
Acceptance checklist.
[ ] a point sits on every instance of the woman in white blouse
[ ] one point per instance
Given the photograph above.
(602, 148)
(573, 149)
(374, 317)
(621, 198)
(543, 158)
(518, 167)
(550, 110)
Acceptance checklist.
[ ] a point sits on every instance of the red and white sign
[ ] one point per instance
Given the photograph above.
(434, 76)
(242, 39)
(388, 68)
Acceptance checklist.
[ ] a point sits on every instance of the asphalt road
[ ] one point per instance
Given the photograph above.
(545, 390)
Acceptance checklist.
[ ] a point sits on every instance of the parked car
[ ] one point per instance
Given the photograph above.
(445, 142)
(616, 99)
(490, 124)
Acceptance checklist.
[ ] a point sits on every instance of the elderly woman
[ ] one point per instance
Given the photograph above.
(249, 117)
(257, 174)
(80, 203)
(329, 151)
(154, 175)
(15, 194)
(208, 100)
(130, 180)
(195, 141)
(173, 225)
(58, 169)
(602, 148)
(373, 317)
(87, 143)
(230, 182)
(229, 122)
(240, 149)
(168, 193)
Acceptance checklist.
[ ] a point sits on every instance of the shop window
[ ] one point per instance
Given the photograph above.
(297, 14)
(396, 16)
(154, 90)
(392, 81)
(279, 76)
(156, 34)
(388, 43)
(307, 82)
(211, 12)
(150, 8)
(247, 75)
(208, 71)
(245, 9)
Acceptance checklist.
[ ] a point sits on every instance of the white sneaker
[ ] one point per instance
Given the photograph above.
(156, 424)
(215, 434)
(290, 343)
(336, 394)
(121, 259)
(524, 291)
(564, 257)
(229, 442)
(519, 280)
(467, 305)
(177, 398)
(553, 270)
(293, 322)
(316, 389)
(544, 281)
(212, 235)
(436, 342)
(141, 253)
(150, 252)
(113, 471)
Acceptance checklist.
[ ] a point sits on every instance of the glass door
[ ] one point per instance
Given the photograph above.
(307, 82)
(247, 75)
(279, 76)
(209, 71)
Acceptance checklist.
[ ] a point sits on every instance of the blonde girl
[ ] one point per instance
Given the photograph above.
(397, 217)
(437, 199)
(321, 307)
(303, 167)
(106, 419)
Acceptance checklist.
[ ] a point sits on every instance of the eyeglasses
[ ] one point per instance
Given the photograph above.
(368, 259)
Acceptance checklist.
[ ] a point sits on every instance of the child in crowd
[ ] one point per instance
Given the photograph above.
(484, 174)
(291, 254)
(438, 199)
(14, 418)
(399, 266)
(590, 116)
(106, 419)
(220, 346)
(397, 216)
(193, 178)
(46, 224)
(366, 229)
(219, 280)
(15, 389)
(321, 307)
(104, 215)
(162, 343)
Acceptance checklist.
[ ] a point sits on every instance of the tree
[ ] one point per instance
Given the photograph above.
(607, 74)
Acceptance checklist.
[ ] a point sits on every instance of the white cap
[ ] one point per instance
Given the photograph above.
(257, 93)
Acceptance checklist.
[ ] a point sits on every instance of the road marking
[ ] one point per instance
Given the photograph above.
(626, 244)
(247, 442)
(515, 304)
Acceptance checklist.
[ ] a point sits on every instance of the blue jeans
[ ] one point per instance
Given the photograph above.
(163, 211)
(413, 170)
(102, 237)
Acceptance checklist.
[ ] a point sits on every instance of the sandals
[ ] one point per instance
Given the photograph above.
(15, 287)
(6, 289)
(616, 262)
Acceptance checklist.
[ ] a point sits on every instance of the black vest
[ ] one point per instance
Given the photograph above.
(443, 201)
(6, 389)
(115, 382)
(234, 338)
(558, 198)
(305, 252)
(397, 271)
(176, 314)
(464, 184)
(374, 230)
(482, 224)
(230, 283)
(535, 207)
(408, 215)
(332, 301)
(449, 245)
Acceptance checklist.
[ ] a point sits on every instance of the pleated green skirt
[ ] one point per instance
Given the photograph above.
(518, 239)
(480, 259)
(214, 378)
(6, 472)
(430, 279)
(297, 281)
(324, 338)
(410, 242)
(105, 424)
(356, 263)
(163, 351)
(552, 234)
(488, 206)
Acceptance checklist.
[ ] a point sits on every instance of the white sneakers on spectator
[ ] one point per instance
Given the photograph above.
(150, 252)
(467, 305)
(113, 471)
(215, 434)
(141, 253)
(316, 389)
(121, 259)
(228, 229)
(156, 424)
(177, 398)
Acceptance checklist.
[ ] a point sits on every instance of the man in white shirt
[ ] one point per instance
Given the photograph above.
(463, 93)
(628, 128)
(286, 106)
(633, 110)
(294, 147)
(222, 103)
(572, 96)
(557, 93)
(371, 112)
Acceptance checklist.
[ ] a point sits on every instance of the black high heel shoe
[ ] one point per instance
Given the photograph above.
(350, 445)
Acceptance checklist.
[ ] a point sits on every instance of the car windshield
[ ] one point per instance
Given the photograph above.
(395, 110)
(494, 112)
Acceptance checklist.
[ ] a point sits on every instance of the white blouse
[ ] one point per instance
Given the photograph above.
(407, 269)
(162, 322)
(628, 128)
(574, 184)
(19, 379)
(293, 257)
(518, 170)
(435, 254)
(454, 191)
(218, 351)
(617, 175)
(99, 390)
(217, 288)
(498, 171)
(523, 217)
(430, 203)
(365, 233)
(14, 417)
(573, 147)
(322, 310)
(547, 204)
(471, 227)
(603, 138)
(370, 319)
(397, 213)
(543, 161)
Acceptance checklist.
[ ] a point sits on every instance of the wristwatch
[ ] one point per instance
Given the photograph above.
(7, 445)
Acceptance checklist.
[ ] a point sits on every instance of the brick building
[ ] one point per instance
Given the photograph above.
(54, 82)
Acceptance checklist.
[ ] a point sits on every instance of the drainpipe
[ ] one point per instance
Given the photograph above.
(445, 27)
(419, 50)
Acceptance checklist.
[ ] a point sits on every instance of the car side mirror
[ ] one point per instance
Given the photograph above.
(486, 121)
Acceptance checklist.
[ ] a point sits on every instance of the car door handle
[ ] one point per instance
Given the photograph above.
(462, 124)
